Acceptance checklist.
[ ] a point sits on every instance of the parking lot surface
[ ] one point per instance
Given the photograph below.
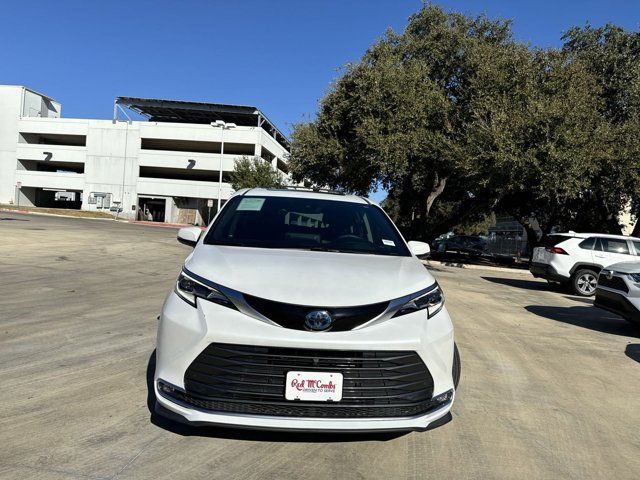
(550, 385)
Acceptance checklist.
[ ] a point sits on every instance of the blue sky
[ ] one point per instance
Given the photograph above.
(278, 55)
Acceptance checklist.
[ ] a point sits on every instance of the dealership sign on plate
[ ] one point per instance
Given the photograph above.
(314, 386)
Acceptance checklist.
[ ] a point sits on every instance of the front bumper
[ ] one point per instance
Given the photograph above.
(369, 428)
(618, 304)
(184, 332)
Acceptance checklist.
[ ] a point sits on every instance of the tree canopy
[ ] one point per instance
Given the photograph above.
(254, 172)
(456, 119)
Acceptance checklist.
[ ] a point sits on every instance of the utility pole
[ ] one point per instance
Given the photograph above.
(224, 126)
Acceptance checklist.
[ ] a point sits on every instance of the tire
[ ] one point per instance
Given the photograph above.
(584, 281)
(456, 366)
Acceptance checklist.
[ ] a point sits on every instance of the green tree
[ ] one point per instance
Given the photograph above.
(541, 163)
(253, 172)
(400, 117)
(612, 55)
(456, 120)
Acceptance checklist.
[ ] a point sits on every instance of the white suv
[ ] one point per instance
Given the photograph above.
(577, 258)
(619, 290)
(308, 311)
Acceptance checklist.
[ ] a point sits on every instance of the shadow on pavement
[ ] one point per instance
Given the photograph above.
(255, 435)
(576, 298)
(478, 258)
(14, 219)
(633, 351)
(518, 283)
(587, 317)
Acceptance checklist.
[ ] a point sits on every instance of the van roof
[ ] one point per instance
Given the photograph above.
(301, 192)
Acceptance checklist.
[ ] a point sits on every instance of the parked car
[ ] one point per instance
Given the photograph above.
(307, 311)
(577, 258)
(618, 290)
(466, 244)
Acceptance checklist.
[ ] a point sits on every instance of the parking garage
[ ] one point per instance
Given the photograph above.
(164, 166)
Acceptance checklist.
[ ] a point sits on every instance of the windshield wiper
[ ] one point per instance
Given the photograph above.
(312, 249)
(228, 244)
(323, 249)
(339, 250)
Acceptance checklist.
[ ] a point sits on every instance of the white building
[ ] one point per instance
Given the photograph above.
(165, 169)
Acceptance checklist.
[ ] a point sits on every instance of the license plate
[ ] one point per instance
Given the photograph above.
(314, 386)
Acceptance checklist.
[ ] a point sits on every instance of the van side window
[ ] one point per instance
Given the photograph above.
(588, 244)
(636, 245)
(613, 245)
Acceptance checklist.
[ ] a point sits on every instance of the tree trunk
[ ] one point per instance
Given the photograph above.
(438, 188)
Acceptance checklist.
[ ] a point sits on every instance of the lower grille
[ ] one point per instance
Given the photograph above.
(298, 409)
(604, 301)
(616, 283)
(251, 379)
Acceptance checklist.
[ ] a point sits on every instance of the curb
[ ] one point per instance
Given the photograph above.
(113, 219)
(164, 225)
(29, 212)
(157, 224)
(488, 268)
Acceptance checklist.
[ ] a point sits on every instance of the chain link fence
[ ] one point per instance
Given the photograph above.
(512, 246)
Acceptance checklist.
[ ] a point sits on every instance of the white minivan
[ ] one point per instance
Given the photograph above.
(577, 258)
(305, 310)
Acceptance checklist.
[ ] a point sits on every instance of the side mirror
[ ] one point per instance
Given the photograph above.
(189, 235)
(419, 249)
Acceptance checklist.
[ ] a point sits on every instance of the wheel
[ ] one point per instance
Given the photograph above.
(456, 366)
(584, 282)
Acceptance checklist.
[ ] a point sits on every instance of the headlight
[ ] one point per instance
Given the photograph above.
(432, 302)
(635, 277)
(189, 289)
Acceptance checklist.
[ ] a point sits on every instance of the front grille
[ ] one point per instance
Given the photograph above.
(251, 379)
(293, 316)
(615, 283)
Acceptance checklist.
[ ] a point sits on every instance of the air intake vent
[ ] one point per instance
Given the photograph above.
(251, 380)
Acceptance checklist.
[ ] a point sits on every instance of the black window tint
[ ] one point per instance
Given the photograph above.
(613, 245)
(588, 244)
(304, 223)
(598, 246)
(553, 240)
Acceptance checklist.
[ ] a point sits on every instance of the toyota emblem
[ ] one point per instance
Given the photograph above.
(318, 320)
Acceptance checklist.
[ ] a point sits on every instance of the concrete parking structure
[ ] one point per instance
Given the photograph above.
(550, 384)
(176, 167)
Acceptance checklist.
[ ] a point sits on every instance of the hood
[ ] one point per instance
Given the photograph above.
(624, 267)
(310, 278)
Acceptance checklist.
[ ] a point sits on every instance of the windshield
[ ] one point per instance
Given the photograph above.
(308, 224)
